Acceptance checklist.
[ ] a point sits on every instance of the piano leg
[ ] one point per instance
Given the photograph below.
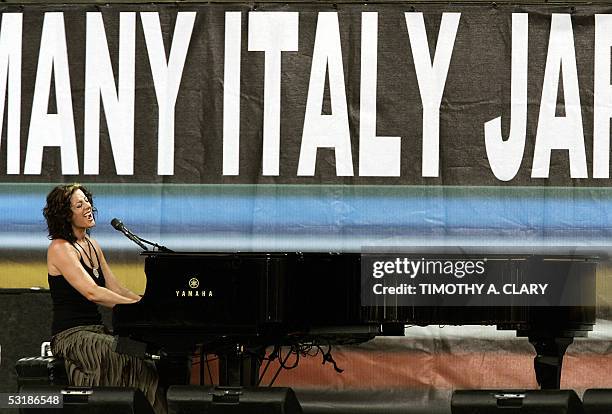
(548, 361)
(238, 369)
(174, 369)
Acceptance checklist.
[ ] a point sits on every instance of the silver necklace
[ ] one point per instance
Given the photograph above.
(90, 257)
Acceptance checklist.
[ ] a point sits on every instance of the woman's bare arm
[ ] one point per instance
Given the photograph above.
(111, 281)
(63, 259)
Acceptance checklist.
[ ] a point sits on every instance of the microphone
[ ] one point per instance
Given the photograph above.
(118, 225)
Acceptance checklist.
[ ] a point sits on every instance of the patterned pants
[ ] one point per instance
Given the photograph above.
(91, 362)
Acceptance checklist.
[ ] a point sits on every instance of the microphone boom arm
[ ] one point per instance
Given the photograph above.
(140, 240)
(136, 240)
(118, 225)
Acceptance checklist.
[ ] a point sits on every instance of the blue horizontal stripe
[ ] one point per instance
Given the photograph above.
(238, 212)
(342, 218)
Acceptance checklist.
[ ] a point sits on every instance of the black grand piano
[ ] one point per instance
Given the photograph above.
(237, 304)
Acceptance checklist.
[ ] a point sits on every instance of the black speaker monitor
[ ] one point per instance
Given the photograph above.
(515, 401)
(91, 400)
(597, 401)
(192, 399)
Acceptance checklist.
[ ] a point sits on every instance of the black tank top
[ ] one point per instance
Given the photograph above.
(70, 308)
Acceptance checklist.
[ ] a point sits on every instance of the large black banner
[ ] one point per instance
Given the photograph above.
(354, 94)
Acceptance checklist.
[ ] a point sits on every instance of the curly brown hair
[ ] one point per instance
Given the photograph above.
(58, 213)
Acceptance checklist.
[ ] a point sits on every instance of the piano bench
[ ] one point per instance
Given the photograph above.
(42, 370)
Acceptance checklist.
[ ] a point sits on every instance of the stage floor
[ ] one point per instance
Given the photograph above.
(417, 373)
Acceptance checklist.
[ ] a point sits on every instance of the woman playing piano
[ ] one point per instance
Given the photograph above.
(79, 280)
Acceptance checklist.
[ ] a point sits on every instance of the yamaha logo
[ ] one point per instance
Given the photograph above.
(194, 290)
